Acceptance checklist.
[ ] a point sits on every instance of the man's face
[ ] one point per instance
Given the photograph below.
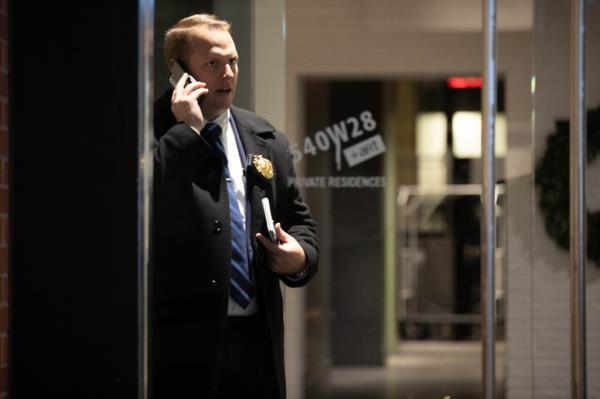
(213, 60)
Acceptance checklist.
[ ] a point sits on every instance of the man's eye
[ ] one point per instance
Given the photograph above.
(233, 61)
(212, 64)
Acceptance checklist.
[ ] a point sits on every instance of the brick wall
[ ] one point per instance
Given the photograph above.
(3, 196)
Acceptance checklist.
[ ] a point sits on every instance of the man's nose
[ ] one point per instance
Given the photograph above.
(228, 73)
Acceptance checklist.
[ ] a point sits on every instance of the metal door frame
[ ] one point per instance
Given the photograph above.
(578, 150)
(145, 176)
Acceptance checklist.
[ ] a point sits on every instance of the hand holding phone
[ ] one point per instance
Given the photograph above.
(185, 103)
(177, 72)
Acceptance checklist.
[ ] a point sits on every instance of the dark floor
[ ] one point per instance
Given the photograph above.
(420, 370)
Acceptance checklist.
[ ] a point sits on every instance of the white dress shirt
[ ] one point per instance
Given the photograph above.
(236, 171)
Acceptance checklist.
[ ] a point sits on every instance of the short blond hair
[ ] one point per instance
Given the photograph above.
(178, 37)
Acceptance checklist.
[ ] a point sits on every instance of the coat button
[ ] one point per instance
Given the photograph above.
(217, 227)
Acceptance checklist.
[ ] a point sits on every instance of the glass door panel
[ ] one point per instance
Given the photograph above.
(550, 281)
(384, 107)
(382, 110)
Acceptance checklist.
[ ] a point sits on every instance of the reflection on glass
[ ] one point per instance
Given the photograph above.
(435, 324)
(466, 139)
(431, 146)
(431, 130)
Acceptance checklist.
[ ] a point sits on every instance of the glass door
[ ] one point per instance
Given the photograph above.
(381, 103)
(386, 97)
(550, 295)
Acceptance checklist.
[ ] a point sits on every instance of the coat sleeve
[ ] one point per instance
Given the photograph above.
(177, 154)
(298, 222)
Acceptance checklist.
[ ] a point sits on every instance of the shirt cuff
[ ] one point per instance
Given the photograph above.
(298, 276)
(198, 132)
(195, 130)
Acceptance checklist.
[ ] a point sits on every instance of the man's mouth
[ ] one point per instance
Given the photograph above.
(224, 91)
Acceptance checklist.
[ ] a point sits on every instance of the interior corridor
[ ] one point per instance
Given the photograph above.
(420, 370)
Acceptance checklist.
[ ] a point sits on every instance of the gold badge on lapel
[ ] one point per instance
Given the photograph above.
(263, 166)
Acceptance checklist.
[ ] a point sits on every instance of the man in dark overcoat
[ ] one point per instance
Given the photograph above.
(217, 309)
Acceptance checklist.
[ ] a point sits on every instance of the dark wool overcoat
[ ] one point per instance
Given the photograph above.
(192, 249)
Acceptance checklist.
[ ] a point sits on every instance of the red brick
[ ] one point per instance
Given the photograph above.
(6, 231)
(3, 263)
(3, 231)
(3, 322)
(5, 112)
(3, 7)
(5, 288)
(3, 379)
(3, 142)
(4, 293)
(3, 199)
(4, 27)
(3, 85)
(3, 353)
(5, 62)
(4, 177)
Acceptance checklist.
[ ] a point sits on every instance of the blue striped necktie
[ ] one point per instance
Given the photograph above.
(240, 282)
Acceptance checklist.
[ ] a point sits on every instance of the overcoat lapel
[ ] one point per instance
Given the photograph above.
(257, 187)
(251, 131)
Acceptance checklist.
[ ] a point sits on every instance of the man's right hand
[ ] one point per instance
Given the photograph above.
(184, 102)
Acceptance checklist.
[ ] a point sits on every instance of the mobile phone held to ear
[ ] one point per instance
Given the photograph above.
(177, 72)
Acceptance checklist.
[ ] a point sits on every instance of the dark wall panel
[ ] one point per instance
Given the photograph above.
(357, 228)
(73, 199)
(348, 291)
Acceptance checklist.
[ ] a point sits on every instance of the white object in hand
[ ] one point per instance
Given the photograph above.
(270, 224)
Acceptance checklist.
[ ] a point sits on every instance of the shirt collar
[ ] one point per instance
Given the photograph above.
(222, 120)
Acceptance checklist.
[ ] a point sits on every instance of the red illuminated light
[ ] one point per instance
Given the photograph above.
(462, 82)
